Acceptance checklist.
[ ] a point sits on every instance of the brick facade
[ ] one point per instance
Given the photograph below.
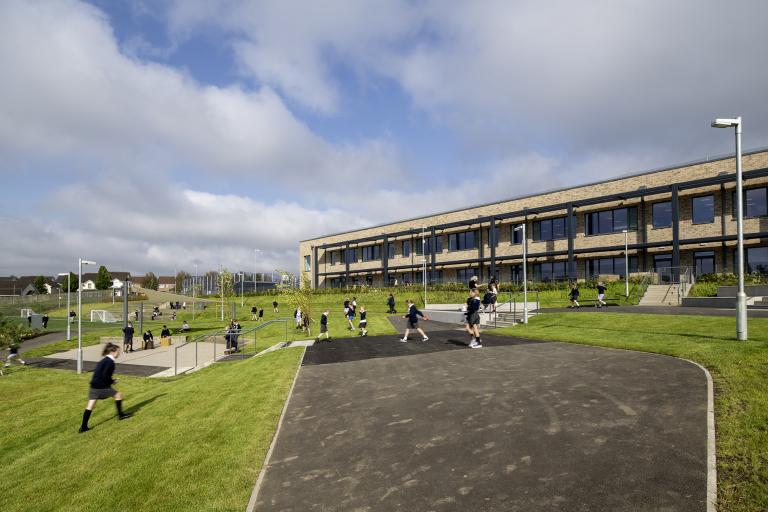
(714, 178)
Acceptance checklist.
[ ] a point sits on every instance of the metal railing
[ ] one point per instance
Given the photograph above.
(213, 338)
(512, 307)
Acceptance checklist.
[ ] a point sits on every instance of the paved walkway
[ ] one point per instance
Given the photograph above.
(520, 425)
(660, 310)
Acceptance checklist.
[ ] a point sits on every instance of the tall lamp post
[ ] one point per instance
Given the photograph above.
(194, 285)
(69, 289)
(521, 227)
(626, 262)
(80, 264)
(242, 281)
(424, 255)
(221, 279)
(741, 297)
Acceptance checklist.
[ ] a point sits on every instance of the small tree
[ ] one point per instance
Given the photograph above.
(301, 298)
(151, 282)
(10, 332)
(226, 281)
(103, 279)
(39, 285)
(73, 282)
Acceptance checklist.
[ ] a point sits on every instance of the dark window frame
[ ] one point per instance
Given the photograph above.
(592, 221)
(406, 248)
(653, 214)
(693, 209)
(744, 203)
(516, 236)
(370, 253)
(540, 225)
(461, 241)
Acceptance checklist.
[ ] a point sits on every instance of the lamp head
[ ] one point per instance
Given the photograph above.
(86, 262)
(726, 122)
(62, 274)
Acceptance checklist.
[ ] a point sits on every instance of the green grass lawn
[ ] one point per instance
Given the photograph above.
(739, 371)
(195, 442)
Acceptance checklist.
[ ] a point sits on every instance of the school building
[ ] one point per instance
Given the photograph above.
(680, 216)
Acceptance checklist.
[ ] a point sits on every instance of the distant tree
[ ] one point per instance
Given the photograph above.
(180, 277)
(226, 282)
(39, 284)
(151, 282)
(103, 279)
(73, 282)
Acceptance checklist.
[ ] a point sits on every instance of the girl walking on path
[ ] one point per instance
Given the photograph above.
(324, 327)
(363, 322)
(473, 320)
(101, 386)
(413, 321)
(600, 294)
(574, 296)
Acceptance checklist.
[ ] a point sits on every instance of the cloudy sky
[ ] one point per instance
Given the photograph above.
(156, 135)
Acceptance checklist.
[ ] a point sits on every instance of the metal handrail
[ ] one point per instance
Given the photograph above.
(223, 332)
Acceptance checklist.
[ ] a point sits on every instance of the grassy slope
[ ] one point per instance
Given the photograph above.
(739, 370)
(183, 450)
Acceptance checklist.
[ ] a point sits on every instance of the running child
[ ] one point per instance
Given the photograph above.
(473, 320)
(101, 386)
(574, 296)
(324, 327)
(363, 322)
(13, 354)
(413, 321)
(600, 294)
(254, 312)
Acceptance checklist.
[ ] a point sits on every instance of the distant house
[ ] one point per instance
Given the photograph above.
(23, 285)
(118, 279)
(166, 284)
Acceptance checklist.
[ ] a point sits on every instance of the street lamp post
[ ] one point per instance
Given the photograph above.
(80, 264)
(741, 297)
(194, 285)
(221, 279)
(69, 288)
(424, 255)
(521, 227)
(626, 263)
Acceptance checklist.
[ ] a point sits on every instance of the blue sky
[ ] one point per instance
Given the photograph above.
(155, 135)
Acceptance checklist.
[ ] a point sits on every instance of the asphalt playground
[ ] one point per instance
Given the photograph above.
(373, 424)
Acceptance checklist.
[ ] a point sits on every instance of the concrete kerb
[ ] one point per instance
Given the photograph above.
(255, 494)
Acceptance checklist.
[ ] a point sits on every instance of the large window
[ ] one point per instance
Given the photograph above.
(703, 208)
(338, 282)
(351, 256)
(406, 248)
(550, 271)
(755, 259)
(462, 241)
(662, 215)
(610, 266)
(755, 202)
(307, 264)
(334, 257)
(438, 245)
(550, 229)
(611, 221)
(433, 277)
(391, 250)
(517, 235)
(704, 262)
(371, 252)
(463, 275)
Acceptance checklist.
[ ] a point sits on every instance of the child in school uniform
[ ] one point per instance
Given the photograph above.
(363, 322)
(101, 386)
(324, 327)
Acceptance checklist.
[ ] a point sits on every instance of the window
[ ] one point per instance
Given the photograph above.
(438, 243)
(307, 264)
(662, 215)
(406, 248)
(371, 252)
(334, 257)
(517, 235)
(703, 208)
(369, 280)
(704, 262)
(550, 229)
(611, 221)
(755, 202)
(351, 256)
(516, 274)
(391, 251)
(462, 241)
(463, 275)
(610, 266)
(338, 282)
(549, 271)
(756, 259)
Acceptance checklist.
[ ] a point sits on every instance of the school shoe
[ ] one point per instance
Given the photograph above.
(425, 338)
(82, 430)
(124, 416)
(403, 340)
(475, 344)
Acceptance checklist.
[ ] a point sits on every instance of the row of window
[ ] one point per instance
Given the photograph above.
(755, 259)
(596, 223)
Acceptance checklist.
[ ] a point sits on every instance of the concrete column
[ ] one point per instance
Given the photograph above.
(385, 261)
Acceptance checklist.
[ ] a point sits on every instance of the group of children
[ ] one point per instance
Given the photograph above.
(573, 296)
(350, 312)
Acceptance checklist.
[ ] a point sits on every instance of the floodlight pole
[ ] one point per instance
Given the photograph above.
(242, 281)
(626, 263)
(525, 272)
(741, 296)
(80, 263)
